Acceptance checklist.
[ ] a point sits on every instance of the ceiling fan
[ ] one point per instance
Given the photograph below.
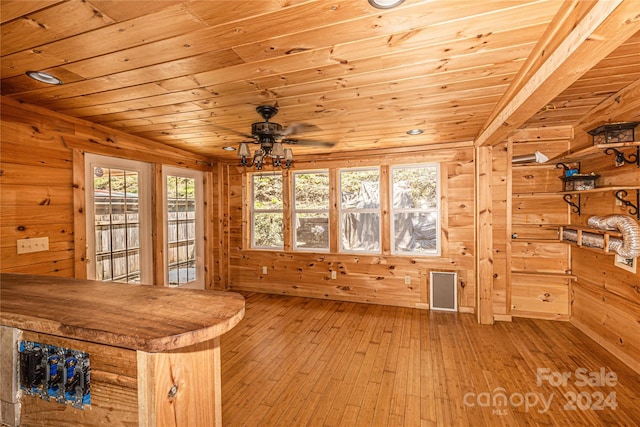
(271, 136)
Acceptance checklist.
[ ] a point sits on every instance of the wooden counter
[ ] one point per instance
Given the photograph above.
(155, 352)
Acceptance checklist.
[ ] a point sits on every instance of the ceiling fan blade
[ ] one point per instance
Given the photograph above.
(238, 133)
(310, 142)
(298, 128)
(244, 135)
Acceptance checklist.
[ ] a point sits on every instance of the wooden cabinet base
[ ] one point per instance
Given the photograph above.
(180, 387)
(151, 354)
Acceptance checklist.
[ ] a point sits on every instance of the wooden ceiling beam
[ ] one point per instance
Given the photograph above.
(565, 19)
(601, 30)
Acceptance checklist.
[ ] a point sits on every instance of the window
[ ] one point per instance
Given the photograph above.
(415, 227)
(118, 229)
(311, 210)
(266, 211)
(360, 210)
(183, 225)
(411, 198)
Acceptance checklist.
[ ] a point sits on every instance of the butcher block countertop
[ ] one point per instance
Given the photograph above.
(137, 317)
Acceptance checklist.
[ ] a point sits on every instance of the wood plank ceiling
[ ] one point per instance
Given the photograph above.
(190, 73)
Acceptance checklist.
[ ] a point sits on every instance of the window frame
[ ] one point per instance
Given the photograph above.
(295, 211)
(145, 190)
(253, 211)
(377, 210)
(198, 176)
(437, 210)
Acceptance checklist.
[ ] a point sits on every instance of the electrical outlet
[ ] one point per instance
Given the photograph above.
(264, 269)
(407, 280)
(333, 274)
(36, 244)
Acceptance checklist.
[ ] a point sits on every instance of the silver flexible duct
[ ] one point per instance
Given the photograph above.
(537, 157)
(629, 246)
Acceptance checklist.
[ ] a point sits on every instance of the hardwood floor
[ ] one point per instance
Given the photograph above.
(297, 361)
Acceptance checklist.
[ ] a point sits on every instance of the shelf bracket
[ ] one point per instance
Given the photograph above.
(633, 208)
(566, 167)
(621, 159)
(575, 208)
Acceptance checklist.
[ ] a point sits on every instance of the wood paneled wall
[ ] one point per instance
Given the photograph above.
(376, 279)
(517, 212)
(36, 197)
(540, 282)
(556, 280)
(38, 182)
(606, 298)
(39, 147)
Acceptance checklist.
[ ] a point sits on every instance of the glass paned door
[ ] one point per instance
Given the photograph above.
(184, 245)
(181, 233)
(118, 234)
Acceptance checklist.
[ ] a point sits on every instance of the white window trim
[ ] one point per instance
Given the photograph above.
(199, 190)
(436, 209)
(341, 210)
(144, 183)
(253, 212)
(295, 212)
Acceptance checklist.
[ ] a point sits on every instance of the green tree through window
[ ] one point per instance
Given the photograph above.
(267, 215)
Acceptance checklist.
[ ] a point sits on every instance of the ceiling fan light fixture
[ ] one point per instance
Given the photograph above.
(288, 157)
(277, 153)
(288, 154)
(272, 140)
(277, 150)
(414, 131)
(229, 148)
(43, 77)
(258, 158)
(385, 4)
(243, 150)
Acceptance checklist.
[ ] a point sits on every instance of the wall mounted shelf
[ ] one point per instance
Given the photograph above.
(621, 193)
(593, 151)
(534, 165)
(543, 274)
(593, 190)
(583, 232)
(533, 240)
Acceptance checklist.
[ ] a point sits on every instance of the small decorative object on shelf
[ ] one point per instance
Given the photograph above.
(613, 133)
(580, 182)
(568, 170)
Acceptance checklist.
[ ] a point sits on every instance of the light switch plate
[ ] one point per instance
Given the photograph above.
(36, 244)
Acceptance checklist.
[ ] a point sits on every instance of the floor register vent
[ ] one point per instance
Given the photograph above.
(444, 292)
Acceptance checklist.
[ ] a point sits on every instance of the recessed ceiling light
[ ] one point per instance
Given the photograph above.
(385, 4)
(414, 131)
(229, 148)
(44, 77)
